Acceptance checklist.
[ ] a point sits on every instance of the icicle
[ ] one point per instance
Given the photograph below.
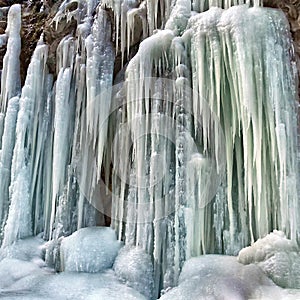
(19, 222)
(10, 78)
(60, 142)
(214, 57)
(8, 142)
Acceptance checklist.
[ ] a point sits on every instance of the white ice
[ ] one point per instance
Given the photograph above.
(24, 275)
(222, 277)
(91, 249)
(277, 256)
(134, 267)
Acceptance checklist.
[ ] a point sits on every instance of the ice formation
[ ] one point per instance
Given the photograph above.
(222, 277)
(10, 76)
(277, 256)
(89, 250)
(134, 267)
(195, 152)
(26, 280)
(209, 57)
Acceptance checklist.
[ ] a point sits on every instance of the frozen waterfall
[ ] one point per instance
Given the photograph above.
(188, 147)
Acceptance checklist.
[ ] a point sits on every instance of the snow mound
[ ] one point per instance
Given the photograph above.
(87, 286)
(12, 270)
(29, 280)
(62, 286)
(217, 277)
(26, 249)
(134, 267)
(277, 256)
(223, 277)
(90, 250)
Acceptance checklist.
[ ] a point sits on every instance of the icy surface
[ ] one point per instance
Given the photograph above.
(222, 277)
(29, 249)
(91, 250)
(277, 256)
(208, 171)
(24, 275)
(25, 165)
(194, 153)
(10, 79)
(134, 267)
(25, 280)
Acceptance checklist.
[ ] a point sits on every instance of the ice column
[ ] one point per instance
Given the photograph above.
(26, 150)
(10, 78)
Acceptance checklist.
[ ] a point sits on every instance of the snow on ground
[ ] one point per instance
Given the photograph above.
(67, 285)
(24, 274)
(223, 277)
(277, 256)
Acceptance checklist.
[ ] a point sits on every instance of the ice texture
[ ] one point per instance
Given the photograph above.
(8, 143)
(26, 281)
(90, 250)
(277, 256)
(222, 277)
(10, 87)
(134, 267)
(10, 79)
(29, 249)
(194, 153)
(54, 134)
(25, 171)
(24, 275)
(208, 171)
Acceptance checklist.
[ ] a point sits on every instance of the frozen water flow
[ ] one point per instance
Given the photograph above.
(195, 152)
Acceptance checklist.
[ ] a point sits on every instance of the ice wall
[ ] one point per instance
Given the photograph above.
(27, 159)
(82, 103)
(51, 131)
(230, 104)
(194, 152)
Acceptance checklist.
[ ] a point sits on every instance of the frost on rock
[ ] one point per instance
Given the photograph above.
(277, 256)
(134, 267)
(90, 250)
